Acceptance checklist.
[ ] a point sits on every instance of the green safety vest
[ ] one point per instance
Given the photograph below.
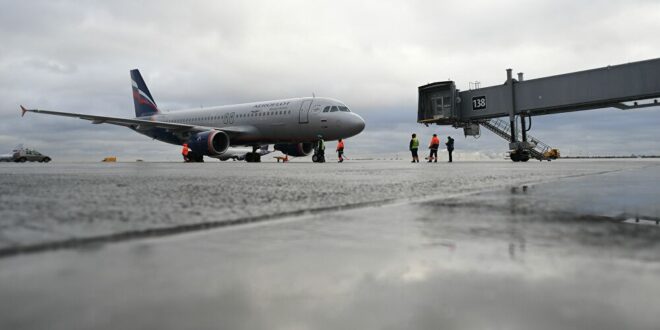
(415, 144)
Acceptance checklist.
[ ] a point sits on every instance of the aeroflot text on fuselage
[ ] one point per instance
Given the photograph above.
(271, 104)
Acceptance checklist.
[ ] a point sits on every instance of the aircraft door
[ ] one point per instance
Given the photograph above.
(304, 112)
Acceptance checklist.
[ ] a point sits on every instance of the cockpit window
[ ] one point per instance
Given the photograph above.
(326, 109)
(345, 109)
(333, 109)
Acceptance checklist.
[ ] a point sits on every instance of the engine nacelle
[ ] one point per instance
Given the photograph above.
(295, 149)
(210, 143)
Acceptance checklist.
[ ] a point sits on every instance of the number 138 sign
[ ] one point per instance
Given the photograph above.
(478, 103)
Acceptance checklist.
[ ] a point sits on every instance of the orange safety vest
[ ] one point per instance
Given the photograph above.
(185, 150)
(435, 141)
(340, 145)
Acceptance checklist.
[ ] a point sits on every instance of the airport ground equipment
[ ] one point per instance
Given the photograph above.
(537, 149)
(624, 86)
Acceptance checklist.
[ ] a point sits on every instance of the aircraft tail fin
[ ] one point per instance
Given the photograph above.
(144, 102)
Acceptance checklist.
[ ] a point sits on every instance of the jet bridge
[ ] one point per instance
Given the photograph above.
(620, 86)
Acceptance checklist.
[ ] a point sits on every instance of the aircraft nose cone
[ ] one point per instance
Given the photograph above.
(357, 123)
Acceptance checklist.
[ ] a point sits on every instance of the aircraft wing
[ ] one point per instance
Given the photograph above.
(138, 123)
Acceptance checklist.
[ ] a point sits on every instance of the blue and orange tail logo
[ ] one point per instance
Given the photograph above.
(144, 102)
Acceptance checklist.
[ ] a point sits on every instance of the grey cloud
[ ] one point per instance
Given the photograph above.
(51, 66)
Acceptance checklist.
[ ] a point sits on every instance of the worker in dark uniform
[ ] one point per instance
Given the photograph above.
(434, 145)
(340, 150)
(414, 145)
(450, 147)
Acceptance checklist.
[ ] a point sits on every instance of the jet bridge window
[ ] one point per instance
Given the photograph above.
(334, 109)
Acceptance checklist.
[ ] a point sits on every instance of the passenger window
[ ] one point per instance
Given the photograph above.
(344, 109)
(326, 109)
(334, 109)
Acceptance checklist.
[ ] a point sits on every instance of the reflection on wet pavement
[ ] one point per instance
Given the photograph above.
(557, 255)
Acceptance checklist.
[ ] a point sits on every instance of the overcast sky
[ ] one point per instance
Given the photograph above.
(76, 55)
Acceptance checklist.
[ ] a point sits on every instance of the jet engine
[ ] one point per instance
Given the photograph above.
(295, 149)
(210, 143)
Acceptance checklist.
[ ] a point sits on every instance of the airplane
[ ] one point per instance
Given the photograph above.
(292, 125)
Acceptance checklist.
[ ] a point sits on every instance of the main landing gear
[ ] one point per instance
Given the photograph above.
(253, 157)
(193, 158)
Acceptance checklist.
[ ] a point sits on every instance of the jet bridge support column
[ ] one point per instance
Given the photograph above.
(523, 123)
(512, 113)
(523, 127)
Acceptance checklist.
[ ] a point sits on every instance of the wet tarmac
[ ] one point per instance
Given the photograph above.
(561, 245)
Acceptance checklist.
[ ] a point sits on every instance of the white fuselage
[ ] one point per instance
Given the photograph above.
(281, 121)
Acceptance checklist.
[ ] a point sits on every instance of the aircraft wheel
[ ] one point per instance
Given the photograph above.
(195, 158)
(315, 158)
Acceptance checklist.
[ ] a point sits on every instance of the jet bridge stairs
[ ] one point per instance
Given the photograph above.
(502, 128)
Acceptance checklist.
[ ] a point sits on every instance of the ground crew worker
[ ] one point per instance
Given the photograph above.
(340, 150)
(414, 145)
(184, 153)
(435, 144)
(450, 147)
